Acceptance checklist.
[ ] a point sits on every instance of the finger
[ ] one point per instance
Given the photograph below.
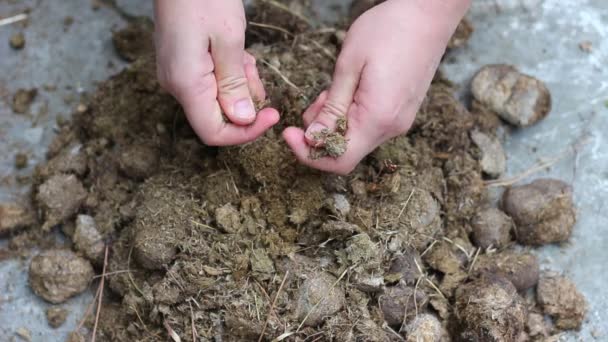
(256, 87)
(313, 110)
(340, 96)
(228, 52)
(358, 147)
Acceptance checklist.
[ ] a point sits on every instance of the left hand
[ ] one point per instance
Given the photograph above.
(384, 70)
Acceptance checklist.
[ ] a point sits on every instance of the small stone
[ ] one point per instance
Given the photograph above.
(22, 100)
(493, 158)
(517, 98)
(536, 325)
(491, 227)
(320, 296)
(87, 239)
(17, 41)
(56, 316)
(58, 274)
(561, 300)
(339, 205)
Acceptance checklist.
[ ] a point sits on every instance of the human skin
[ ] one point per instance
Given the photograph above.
(382, 74)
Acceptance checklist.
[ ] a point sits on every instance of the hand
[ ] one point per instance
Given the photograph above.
(385, 67)
(202, 61)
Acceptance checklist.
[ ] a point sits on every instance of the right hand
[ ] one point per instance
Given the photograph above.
(201, 60)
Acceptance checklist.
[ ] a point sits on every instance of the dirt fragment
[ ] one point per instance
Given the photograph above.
(71, 159)
(330, 144)
(492, 227)
(21, 160)
(22, 100)
(262, 266)
(406, 266)
(319, 297)
(536, 326)
(139, 161)
(17, 41)
(228, 219)
(521, 269)
(56, 316)
(15, 216)
(493, 159)
(87, 239)
(75, 336)
(543, 211)
(463, 33)
(519, 99)
(425, 328)
(135, 40)
(60, 197)
(561, 300)
(401, 303)
(24, 334)
(489, 309)
(58, 274)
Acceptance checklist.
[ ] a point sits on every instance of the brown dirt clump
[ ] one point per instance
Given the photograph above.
(56, 316)
(135, 40)
(463, 33)
(17, 41)
(14, 217)
(59, 274)
(489, 309)
(21, 161)
(521, 269)
(491, 228)
(543, 211)
(22, 100)
(242, 243)
(517, 98)
(560, 299)
(60, 197)
(493, 160)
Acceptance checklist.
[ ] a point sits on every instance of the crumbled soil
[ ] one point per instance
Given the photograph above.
(21, 160)
(22, 99)
(56, 316)
(57, 275)
(17, 41)
(240, 242)
(561, 300)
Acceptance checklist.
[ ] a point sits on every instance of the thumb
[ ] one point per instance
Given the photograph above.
(233, 90)
(339, 99)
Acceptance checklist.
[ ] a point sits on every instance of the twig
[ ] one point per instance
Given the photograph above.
(474, 259)
(88, 311)
(274, 303)
(271, 27)
(286, 9)
(285, 79)
(174, 336)
(192, 321)
(537, 167)
(101, 283)
(13, 19)
(406, 203)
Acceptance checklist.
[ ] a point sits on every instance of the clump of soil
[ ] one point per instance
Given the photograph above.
(14, 217)
(56, 316)
(561, 300)
(491, 228)
(543, 211)
(17, 41)
(519, 99)
(135, 40)
(22, 100)
(21, 160)
(489, 309)
(242, 243)
(331, 144)
(57, 275)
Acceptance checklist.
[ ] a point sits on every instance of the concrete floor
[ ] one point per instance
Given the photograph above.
(540, 37)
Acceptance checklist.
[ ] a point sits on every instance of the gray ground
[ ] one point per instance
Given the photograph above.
(539, 37)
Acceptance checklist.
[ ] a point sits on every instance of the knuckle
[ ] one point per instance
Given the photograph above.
(334, 110)
(231, 84)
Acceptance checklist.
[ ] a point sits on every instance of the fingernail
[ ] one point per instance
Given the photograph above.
(243, 109)
(314, 129)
